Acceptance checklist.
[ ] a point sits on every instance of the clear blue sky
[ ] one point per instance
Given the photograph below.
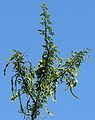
(74, 26)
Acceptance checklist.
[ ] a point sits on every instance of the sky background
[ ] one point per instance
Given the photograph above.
(74, 26)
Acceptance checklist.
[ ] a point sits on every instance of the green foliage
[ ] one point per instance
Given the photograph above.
(37, 84)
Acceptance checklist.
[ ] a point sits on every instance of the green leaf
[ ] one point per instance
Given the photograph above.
(6, 68)
(14, 97)
(47, 111)
(73, 93)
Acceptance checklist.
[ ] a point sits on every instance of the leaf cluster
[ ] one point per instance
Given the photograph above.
(39, 83)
